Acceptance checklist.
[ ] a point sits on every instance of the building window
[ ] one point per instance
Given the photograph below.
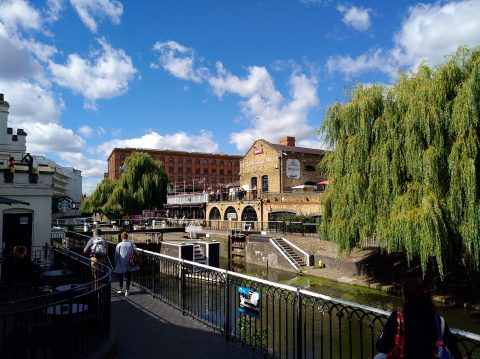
(170, 170)
(189, 170)
(310, 168)
(161, 159)
(222, 163)
(180, 169)
(197, 171)
(205, 162)
(229, 172)
(188, 160)
(180, 178)
(222, 180)
(197, 161)
(229, 164)
(221, 171)
(214, 163)
(122, 157)
(180, 160)
(205, 171)
(214, 171)
(265, 183)
(170, 160)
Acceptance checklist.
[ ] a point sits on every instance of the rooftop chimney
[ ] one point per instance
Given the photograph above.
(1, 97)
(288, 141)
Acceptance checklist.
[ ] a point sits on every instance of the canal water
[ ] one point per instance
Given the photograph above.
(459, 318)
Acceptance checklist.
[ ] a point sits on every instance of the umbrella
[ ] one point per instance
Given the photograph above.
(9, 201)
(326, 183)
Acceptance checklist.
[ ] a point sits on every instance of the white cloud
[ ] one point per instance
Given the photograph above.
(180, 141)
(423, 37)
(50, 137)
(277, 117)
(104, 77)
(90, 10)
(372, 60)
(15, 14)
(90, 167)
(86, 131)
(356, 17)
(432, 32)
(31, 102)
(179, 61)
(54, 7)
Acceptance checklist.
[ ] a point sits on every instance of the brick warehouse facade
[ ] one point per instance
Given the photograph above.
(284, 176)
(182, 166)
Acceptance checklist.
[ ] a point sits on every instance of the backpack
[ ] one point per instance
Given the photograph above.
(441, 350)
(99, 248)
(398, 349)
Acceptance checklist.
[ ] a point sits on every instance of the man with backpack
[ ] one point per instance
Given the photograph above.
(97, 248)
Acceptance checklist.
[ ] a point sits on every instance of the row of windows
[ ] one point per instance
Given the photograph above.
(212, 180)
(189, 161)
(198, 171)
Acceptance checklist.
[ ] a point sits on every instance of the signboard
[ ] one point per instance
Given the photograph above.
(258, 150)
(64, 204)
(231, 216)
(293, 169)
(23, 220)
(249, 302)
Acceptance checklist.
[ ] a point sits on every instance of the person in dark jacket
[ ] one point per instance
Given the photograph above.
(20, 269)
(420, 326)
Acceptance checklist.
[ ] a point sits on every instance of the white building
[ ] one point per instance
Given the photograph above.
(25, 191)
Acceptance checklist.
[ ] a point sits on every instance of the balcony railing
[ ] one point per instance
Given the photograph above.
(38, 320)
(286, 322)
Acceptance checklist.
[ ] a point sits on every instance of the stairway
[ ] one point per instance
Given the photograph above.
(198, 256)
(290, 252)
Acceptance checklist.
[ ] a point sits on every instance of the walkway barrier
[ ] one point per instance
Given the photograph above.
(66, 315)
(278, 320)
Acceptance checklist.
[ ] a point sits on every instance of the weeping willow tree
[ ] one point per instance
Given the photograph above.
(406, 164)
(143, 185)
(98, 202)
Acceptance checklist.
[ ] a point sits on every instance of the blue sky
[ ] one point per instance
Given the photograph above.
(85, 76)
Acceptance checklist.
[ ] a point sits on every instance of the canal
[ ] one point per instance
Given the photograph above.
(468, 320)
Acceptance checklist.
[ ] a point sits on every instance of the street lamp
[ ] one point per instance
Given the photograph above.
(280, 157)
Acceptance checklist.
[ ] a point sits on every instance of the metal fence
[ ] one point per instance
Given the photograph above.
(288, 323)
(54, 322)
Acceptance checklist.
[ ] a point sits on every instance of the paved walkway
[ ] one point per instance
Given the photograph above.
(148, 328)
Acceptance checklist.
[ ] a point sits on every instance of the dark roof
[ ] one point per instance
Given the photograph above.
(10, 201)
(296, 149)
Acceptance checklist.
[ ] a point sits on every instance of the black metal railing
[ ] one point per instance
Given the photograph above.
(290, 322)
(56, 322)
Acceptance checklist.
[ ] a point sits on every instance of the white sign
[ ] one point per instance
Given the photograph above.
(23, 220)
(231, 216)
(293, 168)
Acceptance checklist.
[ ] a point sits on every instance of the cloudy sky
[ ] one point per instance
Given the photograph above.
(85, 76)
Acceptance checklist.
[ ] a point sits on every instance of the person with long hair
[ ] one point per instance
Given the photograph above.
(123, 268)
(420, 323)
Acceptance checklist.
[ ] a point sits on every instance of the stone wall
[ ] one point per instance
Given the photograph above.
(260, 251)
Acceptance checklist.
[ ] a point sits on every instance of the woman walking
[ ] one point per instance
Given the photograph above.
(419, 327)
(123, 252)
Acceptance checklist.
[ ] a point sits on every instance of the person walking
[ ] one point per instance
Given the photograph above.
(419, 326)
(97, 248)
(123, 268)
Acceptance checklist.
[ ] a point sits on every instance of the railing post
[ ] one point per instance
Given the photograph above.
(228, 315)
(299, 325)
(182, 285)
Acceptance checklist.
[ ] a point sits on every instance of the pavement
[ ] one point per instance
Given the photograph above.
(146, 327)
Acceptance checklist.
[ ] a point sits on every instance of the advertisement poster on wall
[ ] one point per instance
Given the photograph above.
(249, 302)
(293, 169)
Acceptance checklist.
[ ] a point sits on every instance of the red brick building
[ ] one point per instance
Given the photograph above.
(184, 167)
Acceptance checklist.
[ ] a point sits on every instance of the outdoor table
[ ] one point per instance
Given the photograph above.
(57, 273)
(67, 309)
(74, 287)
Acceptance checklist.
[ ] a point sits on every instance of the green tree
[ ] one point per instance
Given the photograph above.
(405, 169)
(98, 201)
(143, 185)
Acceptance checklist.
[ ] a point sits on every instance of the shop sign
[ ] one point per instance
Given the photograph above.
(293, 168)
(249, 302)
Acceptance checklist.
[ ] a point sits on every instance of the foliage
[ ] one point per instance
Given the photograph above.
(98, 201)
(143, 185)
(252, 332)
(405, 169)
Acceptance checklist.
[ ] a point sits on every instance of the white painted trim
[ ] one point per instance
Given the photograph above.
(282, 251)
(307, 256)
